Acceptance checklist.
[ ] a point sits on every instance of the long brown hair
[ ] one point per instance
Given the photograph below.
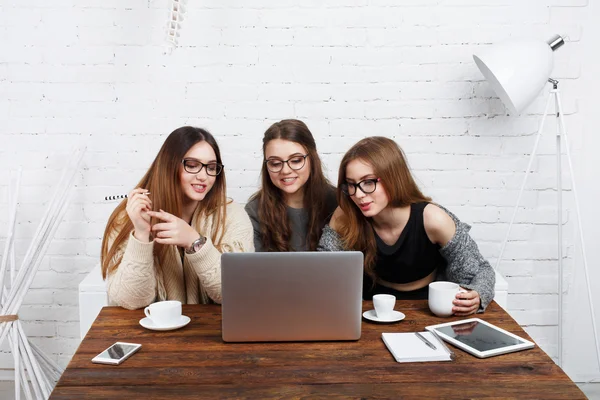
(389, 163)
(275, 230)
(163, 182)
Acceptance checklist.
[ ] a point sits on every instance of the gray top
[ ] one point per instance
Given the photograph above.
(466, 266)
(298, 218)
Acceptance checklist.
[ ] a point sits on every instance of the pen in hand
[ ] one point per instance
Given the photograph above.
(120, 196)
(424, 339)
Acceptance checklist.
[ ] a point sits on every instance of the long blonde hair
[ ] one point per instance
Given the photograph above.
(162, 181)
(389, 164)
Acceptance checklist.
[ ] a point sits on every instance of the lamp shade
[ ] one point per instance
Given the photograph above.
(517, 70)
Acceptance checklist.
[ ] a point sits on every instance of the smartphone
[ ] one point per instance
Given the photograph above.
(117, 353)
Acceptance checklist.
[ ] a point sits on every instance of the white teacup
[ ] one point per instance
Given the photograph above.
(164, 313)
(441, 296)
(384, 305)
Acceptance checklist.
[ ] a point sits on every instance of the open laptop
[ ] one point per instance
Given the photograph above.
(295, 296)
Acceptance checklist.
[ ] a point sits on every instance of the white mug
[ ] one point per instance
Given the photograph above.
(384, 305)
(164, 313)
(441, 296)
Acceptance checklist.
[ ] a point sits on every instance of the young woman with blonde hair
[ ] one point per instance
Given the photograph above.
(295, 200)
(164, 242)
(407, 240)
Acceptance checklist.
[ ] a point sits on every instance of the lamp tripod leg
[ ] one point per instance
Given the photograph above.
(529, 165)
(559, 222)
(578, 212)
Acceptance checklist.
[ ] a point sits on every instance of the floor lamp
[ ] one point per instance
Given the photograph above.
(517, 71)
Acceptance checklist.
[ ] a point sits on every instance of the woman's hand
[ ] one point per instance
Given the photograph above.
(173, 230)
(466, 303)
(138, 206)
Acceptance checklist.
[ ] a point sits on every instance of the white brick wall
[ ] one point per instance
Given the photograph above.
(94, 71)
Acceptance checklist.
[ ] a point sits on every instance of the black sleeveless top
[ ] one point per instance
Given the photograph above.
(411, 258)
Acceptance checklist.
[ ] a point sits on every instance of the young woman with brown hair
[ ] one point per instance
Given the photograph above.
(164, 242)
(295, 200)
(407, 240)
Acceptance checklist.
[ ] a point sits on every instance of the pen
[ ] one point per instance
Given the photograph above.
(120, 196)
(439, 339)
(424, 339)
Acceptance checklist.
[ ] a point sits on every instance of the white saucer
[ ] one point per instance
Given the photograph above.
(395, 317)
(148, 324)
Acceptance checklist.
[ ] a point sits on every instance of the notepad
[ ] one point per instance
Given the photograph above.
(408, 347)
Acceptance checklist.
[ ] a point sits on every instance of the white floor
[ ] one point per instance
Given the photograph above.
(591, 390)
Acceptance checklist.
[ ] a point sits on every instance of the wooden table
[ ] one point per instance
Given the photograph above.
(193, 362)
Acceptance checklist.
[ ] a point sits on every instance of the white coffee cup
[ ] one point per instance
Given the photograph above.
(441, 297)
(384, 305)
(164, 313)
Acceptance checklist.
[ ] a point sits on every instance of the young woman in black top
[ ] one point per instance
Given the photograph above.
(408, 242)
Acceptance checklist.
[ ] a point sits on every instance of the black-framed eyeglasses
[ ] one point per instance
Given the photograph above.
(367, 186)
(194, 166)
(295, 163)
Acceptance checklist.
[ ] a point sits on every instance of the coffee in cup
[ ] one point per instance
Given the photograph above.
(441, 297)
(384, 305)
(164, 313)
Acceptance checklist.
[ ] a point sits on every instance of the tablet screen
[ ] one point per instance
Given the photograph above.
(478, 336)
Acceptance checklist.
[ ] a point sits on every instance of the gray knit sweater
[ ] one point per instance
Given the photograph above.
(466, 265)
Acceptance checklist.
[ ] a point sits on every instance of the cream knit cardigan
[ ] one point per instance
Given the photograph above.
(139, 281)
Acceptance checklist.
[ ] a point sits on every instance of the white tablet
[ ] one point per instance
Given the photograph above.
(480, 338)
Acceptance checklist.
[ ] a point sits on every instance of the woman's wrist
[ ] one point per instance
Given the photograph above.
(190, 237)
(142, 236)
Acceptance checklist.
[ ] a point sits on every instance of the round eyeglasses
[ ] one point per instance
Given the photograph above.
(194, 166)
(295, 163)
(367, 186)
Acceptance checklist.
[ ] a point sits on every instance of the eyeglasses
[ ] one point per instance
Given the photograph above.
(295, 163)
(367, 186)
(194, 166)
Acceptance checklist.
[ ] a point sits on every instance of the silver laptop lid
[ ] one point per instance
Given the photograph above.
(293, 296)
